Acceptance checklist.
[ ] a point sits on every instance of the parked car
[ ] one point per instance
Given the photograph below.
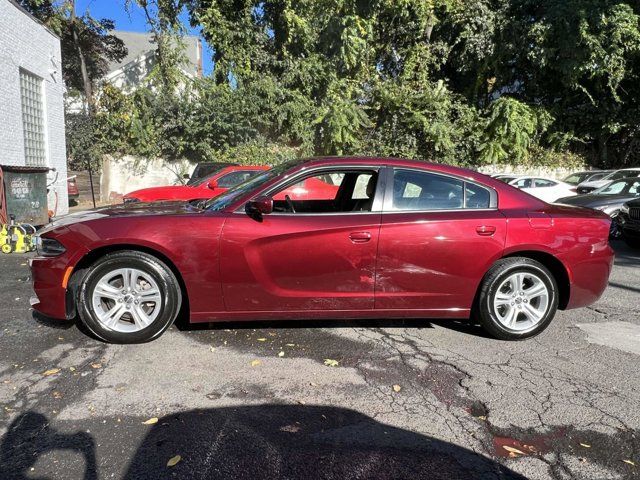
(543, 188)
(608, 199)
(206, 169)
(506, 178)
(591, 185)
(399, 239)
(628, 221)
(587, 176)
(207, 187)
(72, 190)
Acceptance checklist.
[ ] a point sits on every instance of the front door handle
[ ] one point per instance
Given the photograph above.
(485, 230)
(360, 237)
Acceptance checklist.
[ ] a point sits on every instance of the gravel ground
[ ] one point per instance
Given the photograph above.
(325, 400)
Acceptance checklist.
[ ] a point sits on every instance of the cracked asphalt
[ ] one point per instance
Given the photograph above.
(325, 400)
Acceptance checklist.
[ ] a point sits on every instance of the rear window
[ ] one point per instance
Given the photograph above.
(414, 191)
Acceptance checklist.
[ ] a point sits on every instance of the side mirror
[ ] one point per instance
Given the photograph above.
(262, 205)
(213, 184)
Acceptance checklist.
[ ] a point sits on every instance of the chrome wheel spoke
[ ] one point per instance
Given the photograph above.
(152, 295)
(536, 290)
(511, 317)
(532, 314)
(140, 317)
(112, 316)
(106, 290)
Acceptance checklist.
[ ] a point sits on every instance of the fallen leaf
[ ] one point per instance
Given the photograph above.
(213, 349)
(261, 339)
(482, 417)
(330, 362)
(513, 450)
(151, 421)
(629, 462)
(53, 371)
(255, 363)
(56, 394)
(73, 369)
(281, 354)
(585, 445)
(96, 365)
(397, 388)
(173, 461)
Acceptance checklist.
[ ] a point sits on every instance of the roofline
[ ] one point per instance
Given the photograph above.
(116, 30)
(19, 7)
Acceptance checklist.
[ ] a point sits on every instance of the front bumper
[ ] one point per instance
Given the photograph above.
(50, 294)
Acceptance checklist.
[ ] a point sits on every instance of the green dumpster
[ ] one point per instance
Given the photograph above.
(25, 192)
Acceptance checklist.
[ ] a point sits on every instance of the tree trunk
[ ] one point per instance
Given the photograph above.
(88, 90)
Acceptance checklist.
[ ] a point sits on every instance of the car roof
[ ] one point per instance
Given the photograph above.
(510, 195)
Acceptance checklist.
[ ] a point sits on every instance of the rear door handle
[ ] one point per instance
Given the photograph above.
(485, 230)
(360, 237)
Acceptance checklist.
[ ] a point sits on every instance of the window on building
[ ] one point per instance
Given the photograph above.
(33, 119)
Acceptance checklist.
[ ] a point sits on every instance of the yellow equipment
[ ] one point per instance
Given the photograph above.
(17, 238)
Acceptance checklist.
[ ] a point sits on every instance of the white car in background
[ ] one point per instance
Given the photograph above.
(544, 188)
(591, 185)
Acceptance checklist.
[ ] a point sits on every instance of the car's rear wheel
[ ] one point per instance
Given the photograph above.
(518, 299)
(128, 297)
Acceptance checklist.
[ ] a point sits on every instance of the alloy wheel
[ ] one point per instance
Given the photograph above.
(521, 301)
(126, 300)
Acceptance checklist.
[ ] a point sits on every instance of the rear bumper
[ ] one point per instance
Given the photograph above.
(589, 277)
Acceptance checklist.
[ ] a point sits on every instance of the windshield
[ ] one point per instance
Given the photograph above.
(632, 187)
(223, 201)
(197, 183)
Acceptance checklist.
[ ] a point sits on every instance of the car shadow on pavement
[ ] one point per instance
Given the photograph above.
(260, 442)
(463, 326)
(625, 255)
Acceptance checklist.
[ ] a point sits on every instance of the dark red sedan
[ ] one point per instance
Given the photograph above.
(385, 238)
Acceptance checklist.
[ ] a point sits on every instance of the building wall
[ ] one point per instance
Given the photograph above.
(26, 44)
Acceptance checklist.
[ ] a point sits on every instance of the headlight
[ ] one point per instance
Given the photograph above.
(128, 200)
(48, 247)
(624, 208)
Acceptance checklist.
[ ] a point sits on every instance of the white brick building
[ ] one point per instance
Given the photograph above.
(31, 99)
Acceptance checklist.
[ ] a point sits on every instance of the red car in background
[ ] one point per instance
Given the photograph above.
(327, 238)
(207, 187)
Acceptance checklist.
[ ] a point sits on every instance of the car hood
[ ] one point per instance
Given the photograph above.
(594, 183)
(124, 211)
(594, 201)
(169, 192)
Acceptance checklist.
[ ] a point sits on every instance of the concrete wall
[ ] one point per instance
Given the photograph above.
(547, 172)
(26, 44)
(123, 175)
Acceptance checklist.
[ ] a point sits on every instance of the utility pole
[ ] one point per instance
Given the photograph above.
(88, 91)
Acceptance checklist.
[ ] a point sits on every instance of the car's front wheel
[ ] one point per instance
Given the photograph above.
(518, 299)
(128, 297)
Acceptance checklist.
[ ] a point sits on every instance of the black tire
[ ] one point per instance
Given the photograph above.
(170, 296)
(500, 271)
(632, 242)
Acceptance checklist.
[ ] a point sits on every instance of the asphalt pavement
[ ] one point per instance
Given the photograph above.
(323, 400)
